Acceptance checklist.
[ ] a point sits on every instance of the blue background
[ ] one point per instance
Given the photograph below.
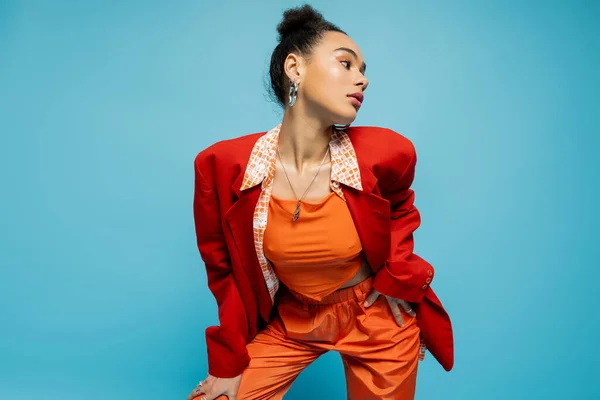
(103, 106)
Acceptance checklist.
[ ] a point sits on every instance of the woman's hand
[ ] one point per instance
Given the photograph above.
(395, 305)
(212, 387)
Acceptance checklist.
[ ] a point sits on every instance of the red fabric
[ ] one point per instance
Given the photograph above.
(405, 274)
(383, 212)
(227, 342)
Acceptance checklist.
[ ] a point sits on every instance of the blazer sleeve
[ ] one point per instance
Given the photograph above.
(405, 275)
(226, 344)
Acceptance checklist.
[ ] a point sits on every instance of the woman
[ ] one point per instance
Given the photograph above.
(306, 233)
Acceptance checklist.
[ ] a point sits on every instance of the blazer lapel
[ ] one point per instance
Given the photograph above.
(239, 219)
(371, 215)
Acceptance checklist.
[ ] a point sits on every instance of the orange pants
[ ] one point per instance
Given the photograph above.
(380, 358)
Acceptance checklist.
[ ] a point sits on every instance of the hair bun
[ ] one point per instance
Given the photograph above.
(298, 19)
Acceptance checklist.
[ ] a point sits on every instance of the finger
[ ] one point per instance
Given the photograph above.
(396, 312)
(371, 298)
(208, 396)
(220, 397)
(195, 393)
(407, 307)
(200, 388)
(209, 391)
(212, 395)
(200, 392)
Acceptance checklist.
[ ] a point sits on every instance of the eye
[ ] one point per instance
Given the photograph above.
(347, 62)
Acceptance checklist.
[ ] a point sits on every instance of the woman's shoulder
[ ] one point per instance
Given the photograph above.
(380, 145)
(227, 152)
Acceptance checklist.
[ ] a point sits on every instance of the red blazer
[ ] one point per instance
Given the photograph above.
(385, 218)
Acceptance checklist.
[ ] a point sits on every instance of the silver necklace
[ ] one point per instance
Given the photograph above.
(297, 212)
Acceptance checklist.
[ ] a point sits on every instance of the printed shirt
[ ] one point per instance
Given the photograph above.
(261, 168)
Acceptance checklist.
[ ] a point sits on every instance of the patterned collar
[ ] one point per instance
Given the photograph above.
(344, 164)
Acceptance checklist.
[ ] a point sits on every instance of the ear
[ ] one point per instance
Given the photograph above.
(293, 66)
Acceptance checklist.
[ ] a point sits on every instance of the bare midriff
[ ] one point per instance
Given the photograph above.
(363, 273)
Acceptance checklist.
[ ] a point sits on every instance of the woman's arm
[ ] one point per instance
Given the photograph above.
(405, 275)
(226, 344)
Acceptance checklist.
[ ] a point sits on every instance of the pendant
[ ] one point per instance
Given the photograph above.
(297, 212)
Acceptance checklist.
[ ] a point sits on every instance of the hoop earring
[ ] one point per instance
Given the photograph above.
(293, 95)
(340, 127)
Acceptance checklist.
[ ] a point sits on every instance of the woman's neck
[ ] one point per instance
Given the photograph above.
(303, 140)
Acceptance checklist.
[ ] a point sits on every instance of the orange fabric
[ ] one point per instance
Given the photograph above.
(260, 168)
(380, 358)
(319, 252)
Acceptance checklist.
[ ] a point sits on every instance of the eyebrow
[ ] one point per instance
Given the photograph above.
(364, 66)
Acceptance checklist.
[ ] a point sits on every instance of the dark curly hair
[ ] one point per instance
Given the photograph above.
(299, 31)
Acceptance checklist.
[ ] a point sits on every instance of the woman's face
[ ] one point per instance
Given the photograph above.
(335, 71)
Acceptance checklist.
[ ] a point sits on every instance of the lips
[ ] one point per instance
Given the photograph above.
(358, 96)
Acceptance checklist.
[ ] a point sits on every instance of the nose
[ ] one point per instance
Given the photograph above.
(362, 81)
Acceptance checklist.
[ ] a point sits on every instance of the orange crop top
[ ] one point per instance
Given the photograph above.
(318, 253)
